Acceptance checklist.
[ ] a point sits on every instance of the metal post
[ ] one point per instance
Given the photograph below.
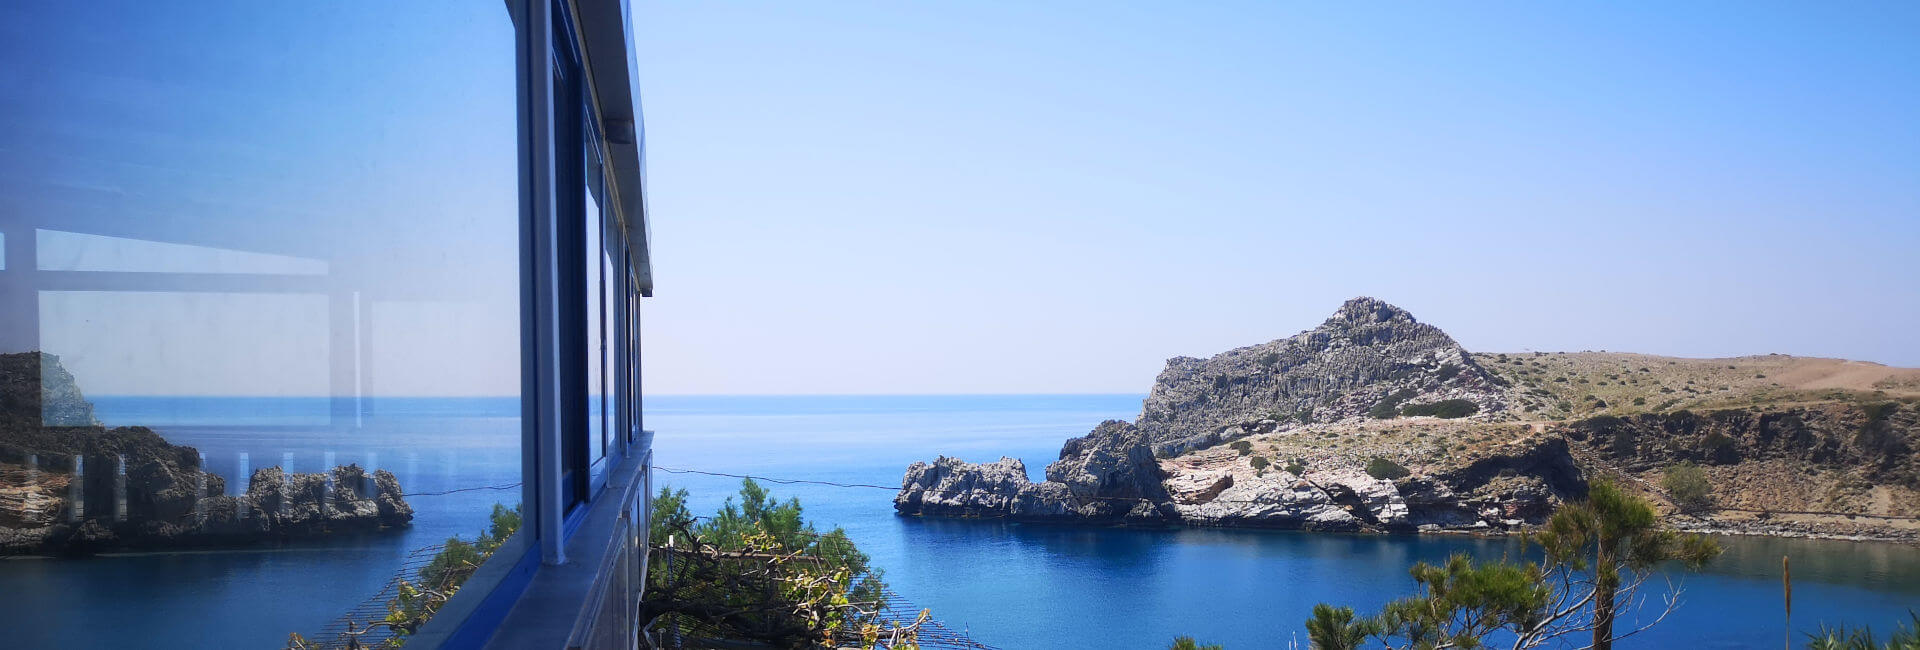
(19, 298)
(540, 342)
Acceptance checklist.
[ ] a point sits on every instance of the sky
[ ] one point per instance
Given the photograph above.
(978, 197)
(989, 197)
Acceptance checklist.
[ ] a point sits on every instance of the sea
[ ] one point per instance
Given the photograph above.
(1008, 585)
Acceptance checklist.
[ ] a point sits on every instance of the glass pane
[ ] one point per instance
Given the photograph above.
(596, 334)
(609, 388)
(261, 319)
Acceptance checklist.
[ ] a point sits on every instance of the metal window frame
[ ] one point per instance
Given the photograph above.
(550, 584)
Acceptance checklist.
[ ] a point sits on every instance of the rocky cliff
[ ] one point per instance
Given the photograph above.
(1108, 475)
(69, 485)
(1164, 470)
(1366, 352)
(1375, 421)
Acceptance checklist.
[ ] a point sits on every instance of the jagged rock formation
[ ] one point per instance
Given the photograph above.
(72, 486)
(1365, 352)
(1286, 434)
(1107, 475)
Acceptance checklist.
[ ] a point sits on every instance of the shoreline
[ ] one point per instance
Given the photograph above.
(1909, 539)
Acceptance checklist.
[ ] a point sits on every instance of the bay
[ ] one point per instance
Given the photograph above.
(1010, 585)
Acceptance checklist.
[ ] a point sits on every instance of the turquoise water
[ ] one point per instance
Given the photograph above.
(1011, 585)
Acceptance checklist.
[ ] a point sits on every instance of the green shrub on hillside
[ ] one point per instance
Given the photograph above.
(1387, 470)
(1448, 409)
(1687, 485)
(1241, 446)
(1880, 411)
(1389, 407)
(1258, 462)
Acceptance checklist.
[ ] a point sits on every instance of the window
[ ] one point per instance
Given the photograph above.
(292, 279)
(283, 238)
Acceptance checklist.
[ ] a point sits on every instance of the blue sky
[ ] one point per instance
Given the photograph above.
(1001, 197)
(997, 197)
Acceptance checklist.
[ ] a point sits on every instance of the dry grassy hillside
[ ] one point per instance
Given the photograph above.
(1571, 385)
(1748, 398)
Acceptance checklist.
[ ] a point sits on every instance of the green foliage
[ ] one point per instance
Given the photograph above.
(1258, 462)
(1465, 602)
(1269, 359)
(1296, 468)
(1687, 485)
(455, 557)
(760, 561)
(1305, 416)
(1241, 446)
(669, 515)
(1861, 638)
(1334, 628)
(1595, 555)
(1187, 643)
(1389, 407)
(1715, 441)
(416, 600)
(1384, 469)
(1446, 409)
(1447, 372)
(1220, 382)
(1614, 535)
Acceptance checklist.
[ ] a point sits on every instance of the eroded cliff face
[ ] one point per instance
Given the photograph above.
(1365, 352)
(71, 486)
(1834, 457)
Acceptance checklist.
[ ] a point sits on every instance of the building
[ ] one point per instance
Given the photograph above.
(295, 237)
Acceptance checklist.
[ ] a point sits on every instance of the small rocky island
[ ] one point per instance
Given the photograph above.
(71, 486)
(1374, 421)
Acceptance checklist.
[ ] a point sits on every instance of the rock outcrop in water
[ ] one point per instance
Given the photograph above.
(1367, 352)
(71, 486)
(1108, 475)
(1375, 421)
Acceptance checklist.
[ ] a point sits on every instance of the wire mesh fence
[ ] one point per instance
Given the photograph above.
(364, 625)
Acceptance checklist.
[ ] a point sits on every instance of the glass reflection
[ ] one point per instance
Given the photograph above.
(259, 300)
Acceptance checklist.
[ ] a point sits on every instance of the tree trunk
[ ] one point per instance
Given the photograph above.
(1606, 581)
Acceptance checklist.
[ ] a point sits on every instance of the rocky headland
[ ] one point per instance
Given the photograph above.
(1374, 421)
(71, 486)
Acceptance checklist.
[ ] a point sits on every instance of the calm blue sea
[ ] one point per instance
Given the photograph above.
(1011, 585)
